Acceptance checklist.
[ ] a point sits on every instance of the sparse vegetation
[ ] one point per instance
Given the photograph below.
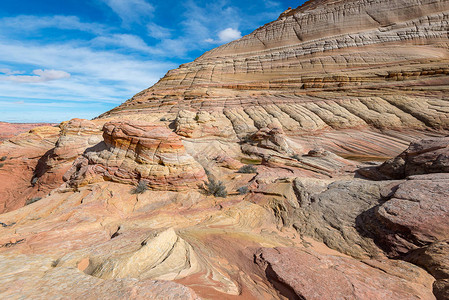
(140, 188)
(243, 190)
(2, 165)
(163, 119)
(32, 200)
(296, 156)
(247, 169)
(197, 118)
(216, 188)
(3, 158)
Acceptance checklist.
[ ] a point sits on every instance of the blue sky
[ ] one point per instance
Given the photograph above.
(61, 59)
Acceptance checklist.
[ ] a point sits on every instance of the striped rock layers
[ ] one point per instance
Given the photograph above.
(137, 151)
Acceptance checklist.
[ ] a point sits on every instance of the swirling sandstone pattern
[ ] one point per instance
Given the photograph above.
(327, 67)
(134, 152)
(328, 89)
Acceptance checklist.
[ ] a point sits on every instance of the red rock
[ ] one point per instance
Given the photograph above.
(22, 155)
(299, 274)
(83, 264)
(417, 214)
(8, 130)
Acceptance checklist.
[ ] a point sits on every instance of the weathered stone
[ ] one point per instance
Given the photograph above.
(8, 130)
(422, 157)
(137, 151)
(21, 156)
(417, 214)
(435, 259)
(299, 274)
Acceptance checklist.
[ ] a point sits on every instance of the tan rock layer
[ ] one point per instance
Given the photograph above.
(137, 151)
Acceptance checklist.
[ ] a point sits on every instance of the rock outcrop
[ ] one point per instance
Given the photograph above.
(135, 151)
(320, 71)
(8, 130)
(64, 283)
(417, 213)
(19, 158)
(296, 274)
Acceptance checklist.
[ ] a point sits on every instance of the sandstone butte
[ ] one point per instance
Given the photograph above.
(341, 108)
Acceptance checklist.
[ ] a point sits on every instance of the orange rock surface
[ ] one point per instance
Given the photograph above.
(8, 130)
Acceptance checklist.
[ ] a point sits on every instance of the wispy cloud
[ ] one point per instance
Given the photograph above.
(131, 11)
(39, 76)
(52, 63)
(95, 75)
(158, 32)
(32, 24)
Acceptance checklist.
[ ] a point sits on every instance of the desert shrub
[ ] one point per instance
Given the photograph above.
(3, 158)
(248, 169)
(216, 188)
(32, 200)
(243, 190)
(197, 118)
(140, 188)
(2, 165)
(163, 119)
(296, 156)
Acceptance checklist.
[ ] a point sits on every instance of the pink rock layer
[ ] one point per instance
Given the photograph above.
(138, 151)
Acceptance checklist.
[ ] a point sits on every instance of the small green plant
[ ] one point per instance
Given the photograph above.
(3, 158)
(197, 118)
(2, 165)
(163, 119)
(216, 188)
(32, 200)
(243, 190)
(248, 169)
(140, 188)
(296, 156)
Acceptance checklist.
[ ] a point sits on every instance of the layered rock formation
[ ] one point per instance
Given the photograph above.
(322, 68)
(8, 130)
(303, 127)
(19, 160)
(134, 152)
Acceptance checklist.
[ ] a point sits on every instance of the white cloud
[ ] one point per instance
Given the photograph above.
(122, 40)
(110, 64)
(25, 23)
(96, 75)
(131, 11)
(271, 4)
(10, 72)
(225, 36)
(158, 32)
(39, 76)
(229, 34)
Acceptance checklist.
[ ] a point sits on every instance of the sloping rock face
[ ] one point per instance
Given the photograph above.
(278, 122)
(8, 130)
(327, 67)
(19, 158)
(296, 272)
(60, 283)
(77, 135)
(137, 151)
(421, 157)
